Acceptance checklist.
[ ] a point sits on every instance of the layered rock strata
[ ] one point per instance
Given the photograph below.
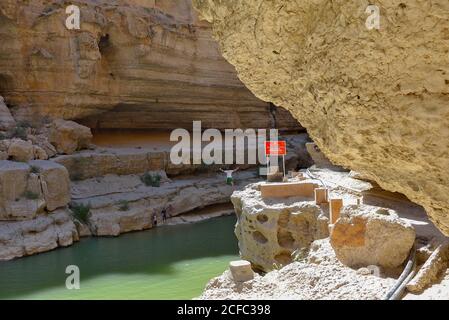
(120, 204)
(33, 214)
(132, 64)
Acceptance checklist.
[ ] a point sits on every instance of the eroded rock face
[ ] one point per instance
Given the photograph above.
(122, 204)
(29, 189)
(269, 231)
(133, 64)
(7, 122)
(20, 150)
(374, 101)
(55, 183)
(367, 235)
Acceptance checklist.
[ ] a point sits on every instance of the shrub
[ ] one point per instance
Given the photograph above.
(123, 205)
(153, 180)
(81, 212)
(35, 169)
(24, 124)
(31, 195)
(19, 132)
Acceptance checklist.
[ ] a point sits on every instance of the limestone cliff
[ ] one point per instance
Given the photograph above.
(133, 64)
(373, 100)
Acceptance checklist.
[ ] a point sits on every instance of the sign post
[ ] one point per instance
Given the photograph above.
(275, 148)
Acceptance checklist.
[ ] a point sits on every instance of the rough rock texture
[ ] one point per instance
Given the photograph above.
(20, 150)
(270, 230)
(69, 136)
(25, 150)
(373, 100)
(133, 64)
(7, 122)
(318, 276)
(107, 195)
(26, 191)
(366, 235)
(43, 233)
(55, 183)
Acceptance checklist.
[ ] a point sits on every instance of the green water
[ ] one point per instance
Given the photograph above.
(173, 262)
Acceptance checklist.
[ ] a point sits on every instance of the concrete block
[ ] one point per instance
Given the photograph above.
(321, 195)
(335, 206)
(285, 190)
(241, 270)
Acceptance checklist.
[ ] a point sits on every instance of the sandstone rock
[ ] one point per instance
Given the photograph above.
(318, 157)
(55, 183)
(69, 136)
(20, 150)
(366, 235)
(42, 142)
(7, 122)
(43, 233)
(270, 230)
(241, 270)
(14, 178)
(373, 101)
(26, 191)
(170, 65)
(39, 153)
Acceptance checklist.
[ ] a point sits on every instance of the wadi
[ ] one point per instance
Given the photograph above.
(224, 150)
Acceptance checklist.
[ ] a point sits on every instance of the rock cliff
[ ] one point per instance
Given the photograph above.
(375, 101)
(133, 64)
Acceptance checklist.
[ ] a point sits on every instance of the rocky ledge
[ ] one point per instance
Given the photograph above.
(120, 204)
(311, 248)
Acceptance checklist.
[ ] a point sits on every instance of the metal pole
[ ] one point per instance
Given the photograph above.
(283, 164)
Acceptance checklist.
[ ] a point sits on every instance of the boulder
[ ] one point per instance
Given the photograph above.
(7, 122)
(69, 136)
(42, 142)
(366, 235)
(55, 183)
(28, 189)
(14, 183)
(20, 150)
(270, 230)
(39, 153)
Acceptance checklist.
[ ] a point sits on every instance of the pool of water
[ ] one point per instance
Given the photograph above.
(173, 262)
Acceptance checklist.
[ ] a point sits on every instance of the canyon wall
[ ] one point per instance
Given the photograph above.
(376, 101)
(133, 64)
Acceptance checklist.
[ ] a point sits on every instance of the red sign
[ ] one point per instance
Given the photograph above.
(275, 148)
